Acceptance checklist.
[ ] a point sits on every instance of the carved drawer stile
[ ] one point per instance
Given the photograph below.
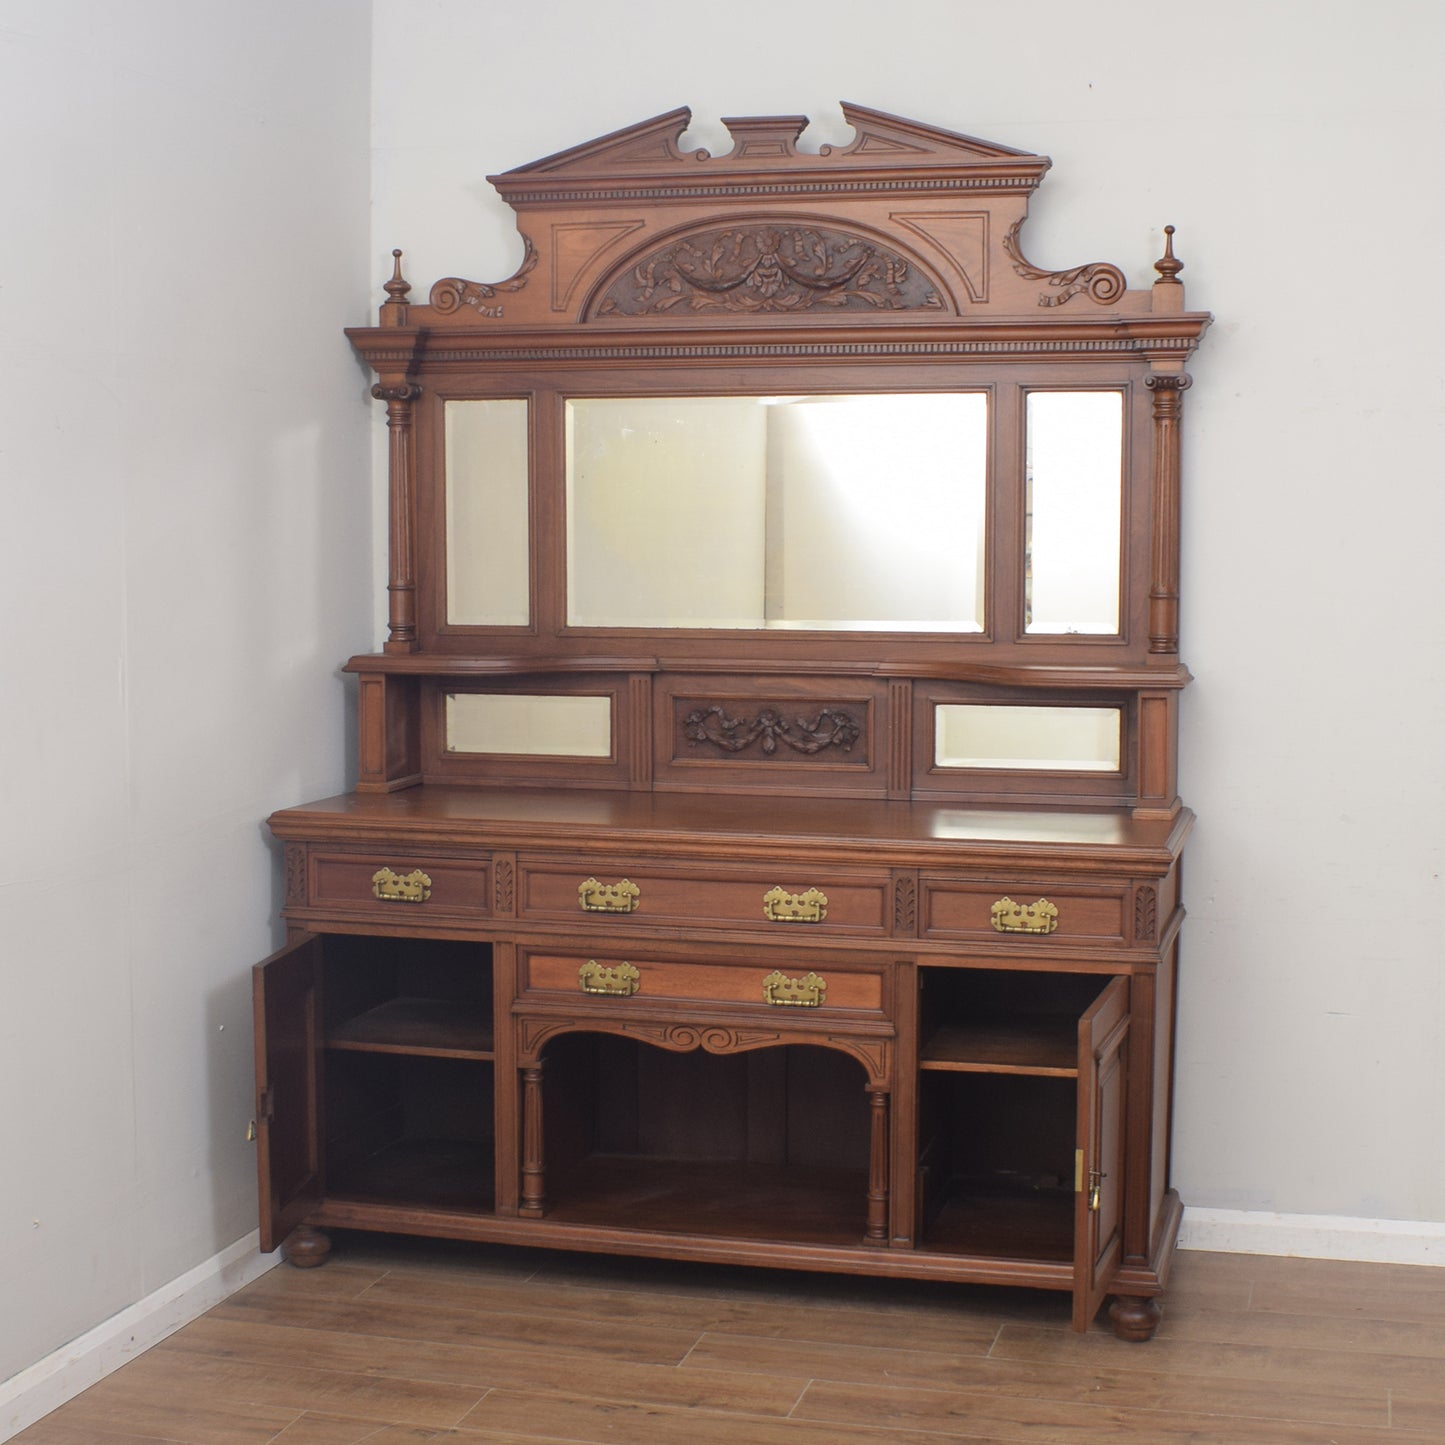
(766, 843)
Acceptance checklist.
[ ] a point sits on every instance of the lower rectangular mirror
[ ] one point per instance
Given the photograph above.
(1042, 739)
(528, 725)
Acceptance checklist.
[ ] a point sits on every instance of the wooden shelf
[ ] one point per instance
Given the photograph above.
(991, 1221)
(1047, 1047)
(424, 1173)
(431, 1027)
(727, 1199)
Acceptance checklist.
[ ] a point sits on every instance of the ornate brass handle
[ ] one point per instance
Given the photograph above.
(1010, 917)
(598, 897)
(391, 887)
(780, 906)
(620, 979)
(784, 992)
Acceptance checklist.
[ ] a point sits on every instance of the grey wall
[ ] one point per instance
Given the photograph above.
(1296, 146)
(183, 563)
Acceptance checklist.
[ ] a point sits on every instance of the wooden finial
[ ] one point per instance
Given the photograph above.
(1167, 267)
(397, 288)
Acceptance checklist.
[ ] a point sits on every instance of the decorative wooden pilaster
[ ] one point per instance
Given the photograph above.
(401, 582)
(877, 1228)
(1168, 389)
(392, 352)
(534, 1177)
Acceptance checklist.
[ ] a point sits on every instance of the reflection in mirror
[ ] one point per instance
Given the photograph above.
(828, 512)
(486, 486)
(1061, 739)
(1074, 465)
(554, 726)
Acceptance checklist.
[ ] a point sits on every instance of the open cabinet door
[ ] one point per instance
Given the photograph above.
(286, 999)
(1099, 1162)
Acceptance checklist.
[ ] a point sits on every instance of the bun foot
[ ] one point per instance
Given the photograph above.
(1135, 1317)
(306, 1247)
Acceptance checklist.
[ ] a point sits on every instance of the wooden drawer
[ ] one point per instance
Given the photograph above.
(792, 901)
(808, 988)
(398, 886)
(1028, 913)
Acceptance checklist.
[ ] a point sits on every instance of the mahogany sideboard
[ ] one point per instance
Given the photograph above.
(766, 845)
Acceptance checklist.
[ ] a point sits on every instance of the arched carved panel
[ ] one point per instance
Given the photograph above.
(754, 267)
(873, 1054)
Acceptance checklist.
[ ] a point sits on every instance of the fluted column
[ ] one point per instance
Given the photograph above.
(877, 1227)
(1168, 389)
(401, 582)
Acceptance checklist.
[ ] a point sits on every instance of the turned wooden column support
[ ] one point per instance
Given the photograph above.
(306, 1247)
(534, 1173)
(877, 1227)
(1168, 389)
(399, 395)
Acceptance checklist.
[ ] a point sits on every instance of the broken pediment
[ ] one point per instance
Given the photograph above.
(631, 229)
(640, 153)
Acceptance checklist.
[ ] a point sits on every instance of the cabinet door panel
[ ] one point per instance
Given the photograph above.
(1099, 1201)
(286, 999)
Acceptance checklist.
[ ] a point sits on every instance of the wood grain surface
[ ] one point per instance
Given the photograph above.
(411, 1341)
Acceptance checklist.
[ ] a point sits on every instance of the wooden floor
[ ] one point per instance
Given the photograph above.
(404, 1341)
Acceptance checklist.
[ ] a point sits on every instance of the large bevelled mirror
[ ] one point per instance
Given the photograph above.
(1073, 461)
(487, 506)
(834, 513)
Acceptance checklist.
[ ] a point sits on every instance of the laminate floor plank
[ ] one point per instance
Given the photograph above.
(1285, 1365)
(397, 1342)
(101, 1414)
(1123, 1388)
(313, 1429)
(549, 1418)
(268, 1345)
(386, 1317)
(1047, 1422)
(49, 1433)
(796, 1315)
(203, 1382)
(1420, 1302)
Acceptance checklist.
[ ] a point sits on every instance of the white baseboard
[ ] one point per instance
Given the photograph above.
(64, 1373)
(1314, 1236)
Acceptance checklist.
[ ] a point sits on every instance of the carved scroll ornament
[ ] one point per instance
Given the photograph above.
(1099, 280)
(770, 268)
(452, 293)
(832, 728)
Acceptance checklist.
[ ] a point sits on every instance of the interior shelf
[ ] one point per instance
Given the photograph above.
(994, 1221)
(729, 1199)
(1043, 1046)
(435, 1173)
(432, 1027)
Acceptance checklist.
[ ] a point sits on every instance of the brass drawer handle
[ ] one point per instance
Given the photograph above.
(780, 906)
(784, 992)
(1010, 917)
(391, 887)
(598, 897)
(620, 979)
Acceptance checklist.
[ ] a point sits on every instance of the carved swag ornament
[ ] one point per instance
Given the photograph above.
(770, 268)
(830, 729)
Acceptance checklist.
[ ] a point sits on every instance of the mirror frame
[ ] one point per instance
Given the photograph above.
(893, 263)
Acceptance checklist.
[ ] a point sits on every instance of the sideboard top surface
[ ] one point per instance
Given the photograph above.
(913, 833)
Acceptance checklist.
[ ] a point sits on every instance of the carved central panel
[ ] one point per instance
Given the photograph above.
(772, 267)
(768, 729)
